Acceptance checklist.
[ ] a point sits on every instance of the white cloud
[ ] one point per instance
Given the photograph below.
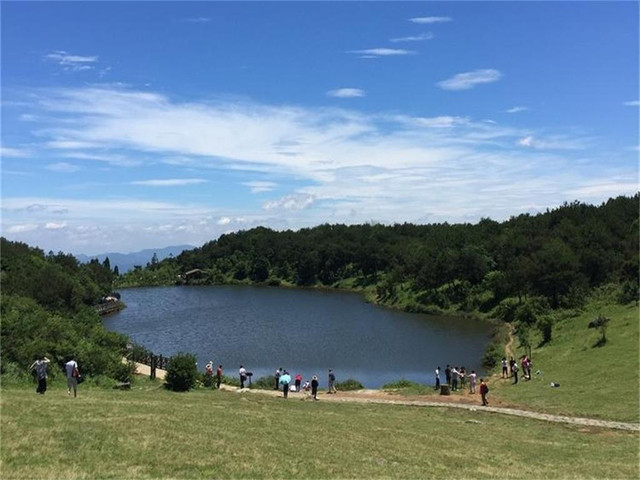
(467, 80)
(414, 38)
(13, 152)
(260, 186)
(382, 52)
(197, 20)
(21, 228)
(290, 202)
(555, 142)
(346, 93)
(70, 62)
(517, 109)
(170, 182)
(55, 226)
(429, 20)
(632, 103)
(442, 122)
(63, 167)
(332, 164)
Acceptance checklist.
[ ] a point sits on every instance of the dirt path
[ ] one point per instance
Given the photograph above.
(381, 397)
(462, 402)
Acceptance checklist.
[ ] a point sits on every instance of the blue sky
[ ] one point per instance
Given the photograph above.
(139, 125)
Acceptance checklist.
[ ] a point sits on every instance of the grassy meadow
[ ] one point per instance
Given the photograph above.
(149, 432)
(596, 382)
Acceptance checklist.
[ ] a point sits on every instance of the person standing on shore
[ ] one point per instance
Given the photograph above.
(219, 376)
(285, 380)
(73, 373)
(40, 366)
(472, 381)
(505, 369)
(243, 375)
(514, 369)
(437, 378)
(454, 379)
(298, 382)
(332, 382)
(314, 387)
(447, 374)
(277, 378)
(483, 392)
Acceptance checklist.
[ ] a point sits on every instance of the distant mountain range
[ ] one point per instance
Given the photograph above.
(126, 261)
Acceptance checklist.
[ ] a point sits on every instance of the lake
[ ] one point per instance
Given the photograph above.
(303, 331)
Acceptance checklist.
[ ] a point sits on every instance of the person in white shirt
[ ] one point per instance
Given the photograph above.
(73, 373)
(243, 375)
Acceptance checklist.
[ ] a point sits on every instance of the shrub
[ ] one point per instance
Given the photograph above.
(207, 381)
(403, 383)
(349, 384)
(181, 372)
(545, 325)
(264, 383)
(123, 372)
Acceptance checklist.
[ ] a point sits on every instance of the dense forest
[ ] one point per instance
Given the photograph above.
(559, 256)
(48, 309)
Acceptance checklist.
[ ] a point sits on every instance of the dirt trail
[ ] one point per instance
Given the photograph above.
(381, 397)
(467, 402)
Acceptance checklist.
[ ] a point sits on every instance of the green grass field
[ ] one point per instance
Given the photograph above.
(597, 382)
(149, 432)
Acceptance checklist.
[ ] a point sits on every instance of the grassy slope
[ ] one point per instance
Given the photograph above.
(597, 382)
(150, 433)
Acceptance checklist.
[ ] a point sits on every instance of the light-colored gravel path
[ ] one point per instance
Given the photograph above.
(378, 397)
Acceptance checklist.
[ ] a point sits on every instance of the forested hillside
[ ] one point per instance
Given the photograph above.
(558, 256)
(47, 309)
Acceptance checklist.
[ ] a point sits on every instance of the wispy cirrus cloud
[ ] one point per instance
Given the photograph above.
(382, 52)
(74, 63)
(346, 93)
(196, 20)
(430, 20)
(63, 167)
(517, 109)
(468, 80)
(260, 186)
(13, 152)
(332, 164)
(169, 182)
(632, 103)
(414, 38)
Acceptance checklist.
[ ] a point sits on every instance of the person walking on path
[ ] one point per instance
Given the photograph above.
(298, 382)
(472, 381)
(73, 374)
(447, 374)
(277, 378)
(437, 378)
(483, 392)
(332, 382)
(505, 369)
(285, 380)
(243, 375)
(218, 376)
(40, 366)
(314, 387)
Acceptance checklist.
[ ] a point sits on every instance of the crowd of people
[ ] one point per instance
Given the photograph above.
(282, 380)
(510, 369)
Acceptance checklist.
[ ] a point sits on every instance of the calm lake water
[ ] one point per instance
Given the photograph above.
(304, 331)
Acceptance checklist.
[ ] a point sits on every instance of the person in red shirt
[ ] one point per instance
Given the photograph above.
(298, 382)
(483, 392)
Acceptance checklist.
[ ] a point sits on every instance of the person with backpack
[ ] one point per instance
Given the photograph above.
(40, 368)
(483, 392)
